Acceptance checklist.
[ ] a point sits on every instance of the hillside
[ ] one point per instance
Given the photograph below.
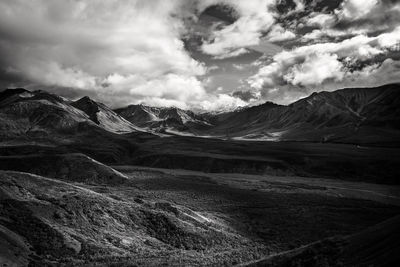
(104, 116)
(42, 114)
(374, 246)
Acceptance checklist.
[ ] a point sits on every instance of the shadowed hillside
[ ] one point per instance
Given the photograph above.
(376, 246)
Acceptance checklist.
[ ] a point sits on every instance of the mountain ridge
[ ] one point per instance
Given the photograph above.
(104, 116)
(348, 109)
(162, 119)
(358, 115)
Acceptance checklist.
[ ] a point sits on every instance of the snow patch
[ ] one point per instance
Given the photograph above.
(269, 136)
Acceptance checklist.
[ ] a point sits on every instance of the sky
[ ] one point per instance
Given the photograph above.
(204, 55)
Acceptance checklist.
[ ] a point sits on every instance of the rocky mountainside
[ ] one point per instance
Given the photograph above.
(354, 115)
(173, 120)
(42, 113)
(38, 112)
(104, 116)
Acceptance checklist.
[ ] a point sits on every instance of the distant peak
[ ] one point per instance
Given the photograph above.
(20, 89)
(14, 90)
(86, 99)
(269, 103)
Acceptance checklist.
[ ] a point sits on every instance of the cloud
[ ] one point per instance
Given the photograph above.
(247, 96)
(225, 53)
(266, 76)
(300, 6)
(122, 51)
(254, 18)
(321, 20)
(351, 18)
(278, 34)
(315, 69)
(52, 73)
(375, 74)
(125, 52)
(309, 67)
(222, 102)
(132, 48)
(170, 86)
(356, 9)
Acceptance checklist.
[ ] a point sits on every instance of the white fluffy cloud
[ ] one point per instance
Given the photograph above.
(122, 51)
(316, 64)
(300, 6)
(376, 74)
(315, 69)
(222, 102)
(278, 33)
(169, 86)
(107, 46)
(355, 9)
(353, 17)
(321, 20)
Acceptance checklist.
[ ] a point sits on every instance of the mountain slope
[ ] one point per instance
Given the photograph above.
(104, 116)
(348, 115)
(40, 113)
(23, 112)
(164, 119)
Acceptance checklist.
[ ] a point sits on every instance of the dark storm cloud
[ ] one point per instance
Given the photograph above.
(246, 96)
(223, 12)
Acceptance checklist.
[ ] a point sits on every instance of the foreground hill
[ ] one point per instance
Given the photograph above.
(45, 222)
(376, 246)
(69, 167)
(167, 218)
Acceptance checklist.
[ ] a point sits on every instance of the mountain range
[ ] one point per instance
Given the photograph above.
(353, 115)
(349, 115)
